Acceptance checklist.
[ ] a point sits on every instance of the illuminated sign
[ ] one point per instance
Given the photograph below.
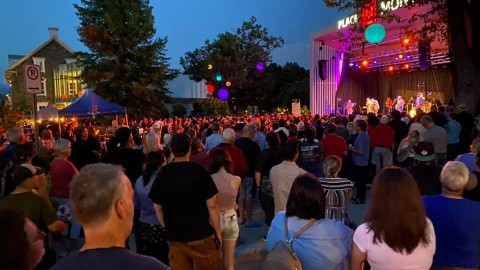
(393, 5)
(370, 10)
(347, 21)
(369, 13)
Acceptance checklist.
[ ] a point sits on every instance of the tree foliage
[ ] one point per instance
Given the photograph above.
(125, 64)
(451, 20)
(286, 83)
(235, 55)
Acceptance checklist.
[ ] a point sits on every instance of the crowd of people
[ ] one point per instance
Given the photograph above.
(184, 187)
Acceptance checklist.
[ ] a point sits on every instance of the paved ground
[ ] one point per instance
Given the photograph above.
(249, 254)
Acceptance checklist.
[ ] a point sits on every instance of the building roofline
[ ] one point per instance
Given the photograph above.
(38, 49)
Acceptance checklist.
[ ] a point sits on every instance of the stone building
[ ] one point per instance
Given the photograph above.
(51, 56)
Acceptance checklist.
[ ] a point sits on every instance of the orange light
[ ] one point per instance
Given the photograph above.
(390, 68)
(400, 56)
(406, 41)
(228, 83)
(364, 62)
(407, 66)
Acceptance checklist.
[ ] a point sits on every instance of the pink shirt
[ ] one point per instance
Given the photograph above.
(226, 194)
(62, 172)
(381, 256)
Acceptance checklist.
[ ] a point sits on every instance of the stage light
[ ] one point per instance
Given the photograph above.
(209, 66)
(390, 68)
(375, 62)
(218, 78)
(228, 83)
(412, 113)
(364, 63)
(406, 42)
(400, 56)
(351, 64)
(406, 66)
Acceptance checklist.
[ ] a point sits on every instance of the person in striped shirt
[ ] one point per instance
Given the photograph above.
(338, 191)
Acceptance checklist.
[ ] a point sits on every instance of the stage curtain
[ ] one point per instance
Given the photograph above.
(357, 85)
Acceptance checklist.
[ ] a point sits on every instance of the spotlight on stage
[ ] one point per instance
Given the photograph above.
(412, 113)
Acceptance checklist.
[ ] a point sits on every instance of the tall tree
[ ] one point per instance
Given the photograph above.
(235, 56)
(456, 21)
(126, 63)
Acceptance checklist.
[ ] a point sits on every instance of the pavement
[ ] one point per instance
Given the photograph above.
(252, 249)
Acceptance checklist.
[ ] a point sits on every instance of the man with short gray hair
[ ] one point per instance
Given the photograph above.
(438, 136)
(455, 220)
(102, 201)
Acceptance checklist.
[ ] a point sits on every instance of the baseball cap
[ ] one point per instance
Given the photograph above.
(424, 151)
(25, 171)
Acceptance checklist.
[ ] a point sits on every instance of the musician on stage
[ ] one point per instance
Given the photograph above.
(389, 104)
(375, 106)
(369, 104)
(420, 101)
(349, 107)
(399, 103)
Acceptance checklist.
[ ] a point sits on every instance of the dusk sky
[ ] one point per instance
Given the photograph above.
(186, 23)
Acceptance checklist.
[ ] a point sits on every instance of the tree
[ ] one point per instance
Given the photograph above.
(178, 110)
(126, 64)
(453, 20)
(235, 56)
(286, 83)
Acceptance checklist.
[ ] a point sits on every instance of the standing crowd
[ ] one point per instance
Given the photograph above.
(184, 187)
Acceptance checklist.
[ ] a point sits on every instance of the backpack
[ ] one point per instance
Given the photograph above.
(282, 256)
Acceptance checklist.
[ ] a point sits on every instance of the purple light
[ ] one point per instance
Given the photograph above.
(260, 66)
(223, 94)
(351, 64)
(375, 62)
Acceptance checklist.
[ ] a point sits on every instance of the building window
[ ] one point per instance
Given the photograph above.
(44, 88)
(39, 61)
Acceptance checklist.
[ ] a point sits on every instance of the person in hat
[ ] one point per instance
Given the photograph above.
(425, 171)
(30, 182)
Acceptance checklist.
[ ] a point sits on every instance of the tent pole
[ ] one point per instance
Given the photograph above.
(59, 129)
(126, 117)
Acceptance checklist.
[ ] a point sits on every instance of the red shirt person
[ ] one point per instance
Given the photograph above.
(333, 144)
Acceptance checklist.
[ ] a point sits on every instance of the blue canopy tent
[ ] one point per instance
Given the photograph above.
(92, 105)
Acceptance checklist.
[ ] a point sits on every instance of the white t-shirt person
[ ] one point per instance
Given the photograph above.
(380, 256)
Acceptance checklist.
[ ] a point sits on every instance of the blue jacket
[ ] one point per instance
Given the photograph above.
(325, 245)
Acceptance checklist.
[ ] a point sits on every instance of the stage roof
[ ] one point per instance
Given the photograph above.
(392, 42)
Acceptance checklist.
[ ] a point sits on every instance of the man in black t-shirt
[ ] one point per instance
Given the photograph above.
(185, 201)
(102, 200)
(251, 151)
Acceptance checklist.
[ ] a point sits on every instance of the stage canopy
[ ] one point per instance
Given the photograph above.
(91, 105)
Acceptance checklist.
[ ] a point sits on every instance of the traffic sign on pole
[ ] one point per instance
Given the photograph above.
(33, 79)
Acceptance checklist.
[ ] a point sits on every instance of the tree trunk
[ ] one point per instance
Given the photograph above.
(467, 86)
